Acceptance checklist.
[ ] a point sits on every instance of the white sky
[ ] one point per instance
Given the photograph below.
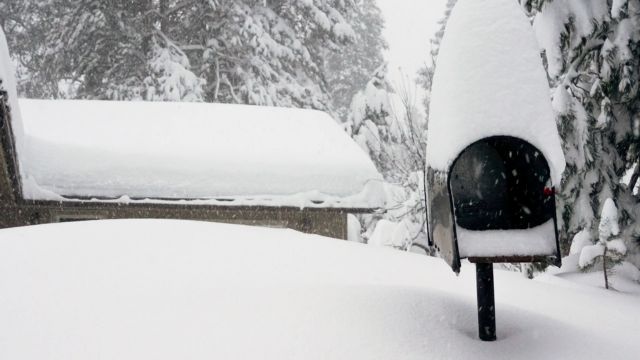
(410, 24)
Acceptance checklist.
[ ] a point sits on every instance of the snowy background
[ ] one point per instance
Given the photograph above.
(407, 25)
(371, 66)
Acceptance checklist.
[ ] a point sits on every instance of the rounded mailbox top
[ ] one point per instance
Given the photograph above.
(489, 81)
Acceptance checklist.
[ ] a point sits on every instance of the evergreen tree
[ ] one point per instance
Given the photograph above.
(387, 124)
(349, 70)
(268, 52)
(265, 52)
(592, 55)
(372, 121)
(171, 78)
(607, 251)
(25, 23)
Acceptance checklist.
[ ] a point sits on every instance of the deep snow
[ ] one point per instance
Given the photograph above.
(208, 153)
(157, 289)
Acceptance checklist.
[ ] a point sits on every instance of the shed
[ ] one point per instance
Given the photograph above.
(232, 163)
(65, 160)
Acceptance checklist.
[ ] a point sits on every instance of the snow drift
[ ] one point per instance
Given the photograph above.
(152, 289)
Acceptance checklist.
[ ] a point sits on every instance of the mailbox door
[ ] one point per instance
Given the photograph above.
(440, 221)
(499, 183)
(503, 183)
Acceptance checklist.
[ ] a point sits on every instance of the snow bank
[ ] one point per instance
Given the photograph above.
(151, 289)
(390, 233)
(623, 277)
(204, 153)
(490, 81)
(580, 240)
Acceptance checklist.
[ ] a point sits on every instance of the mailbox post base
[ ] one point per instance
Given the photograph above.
(486, 302)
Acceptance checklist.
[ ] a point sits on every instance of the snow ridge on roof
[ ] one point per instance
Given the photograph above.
(199, 153)
(489, 81)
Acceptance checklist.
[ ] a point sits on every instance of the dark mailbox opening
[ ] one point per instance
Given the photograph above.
(501, 183)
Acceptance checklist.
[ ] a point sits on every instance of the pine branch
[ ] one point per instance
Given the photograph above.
(634, 178)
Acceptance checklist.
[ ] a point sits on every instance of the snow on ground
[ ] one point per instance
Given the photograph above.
(213, 153)
(490, 81)
(157, 289)
(621, 283)
(623, 276)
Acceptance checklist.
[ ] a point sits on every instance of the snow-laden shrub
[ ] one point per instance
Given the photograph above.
(608, 251)
(387, 125)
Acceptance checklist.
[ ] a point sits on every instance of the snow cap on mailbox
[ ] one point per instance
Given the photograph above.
(493, 149)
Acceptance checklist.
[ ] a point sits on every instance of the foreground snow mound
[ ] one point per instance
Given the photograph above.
(155, 289)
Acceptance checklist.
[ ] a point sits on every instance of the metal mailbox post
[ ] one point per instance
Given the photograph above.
(497, 187)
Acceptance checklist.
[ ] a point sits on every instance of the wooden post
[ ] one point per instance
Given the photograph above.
(486, 302)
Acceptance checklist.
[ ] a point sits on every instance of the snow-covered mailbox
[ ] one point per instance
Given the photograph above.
(493, 153)
(276, 167)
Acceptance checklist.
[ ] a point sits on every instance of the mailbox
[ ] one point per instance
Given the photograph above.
(495, 204)
(494, 155)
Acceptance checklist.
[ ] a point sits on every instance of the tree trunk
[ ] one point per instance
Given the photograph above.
(164, 23)
(604, 268)
(147, 5)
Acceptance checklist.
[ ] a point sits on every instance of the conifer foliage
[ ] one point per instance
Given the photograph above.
(350, 69)
(608, 251)
(267, 52)
(386, 123)
(591, 50)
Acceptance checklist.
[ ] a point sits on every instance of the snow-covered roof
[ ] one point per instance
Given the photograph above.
(213, 154)
(490, 81)
(157, 289)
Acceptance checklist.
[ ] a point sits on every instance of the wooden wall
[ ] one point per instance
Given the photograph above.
(326, 222)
